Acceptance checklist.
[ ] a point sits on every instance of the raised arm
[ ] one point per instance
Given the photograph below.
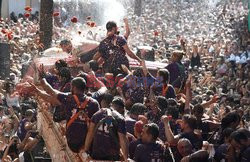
(168, 132)
(127, 29)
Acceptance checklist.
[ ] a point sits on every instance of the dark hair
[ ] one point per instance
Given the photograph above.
(60, 64)
(8, 85)
(229, 119)
(227, 132)
(153, 129)
(198, 108)
(79, 83)
(190, 120)
(1, 108)
(239, 135)
(29, 113)
(110, 25)
(108, 98)
(65, 73)
(164, 73)
(65, 42)
(200, 155)
(173, 111)
(137, 109)
(93, 65)
(162, 102)
(119, 102)
(83, 75)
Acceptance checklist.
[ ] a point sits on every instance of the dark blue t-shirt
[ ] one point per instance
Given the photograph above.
(149, 152)
(76, 133)
(106, 141)
(132, 147)
(130, 123)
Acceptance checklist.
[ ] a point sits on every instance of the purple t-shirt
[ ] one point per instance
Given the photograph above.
(21, 132)
(114, 55)
(149, 152)
(174, 74)
(106, 141)
(130, 123)
(132, 147)
(76, 133)
(53, 81)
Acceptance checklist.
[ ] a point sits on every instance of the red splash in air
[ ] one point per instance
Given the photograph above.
(74, 19)
(156, 33)
(26, 15)
(27, 8)
(55, 14)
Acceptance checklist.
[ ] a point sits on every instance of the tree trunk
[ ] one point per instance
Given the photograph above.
(138, 7)
(46, 23)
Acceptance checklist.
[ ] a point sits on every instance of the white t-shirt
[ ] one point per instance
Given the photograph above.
(12, 101)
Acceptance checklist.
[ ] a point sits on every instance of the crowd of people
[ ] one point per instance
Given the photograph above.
(197, 108)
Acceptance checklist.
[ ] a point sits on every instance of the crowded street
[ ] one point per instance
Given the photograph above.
(125, 80)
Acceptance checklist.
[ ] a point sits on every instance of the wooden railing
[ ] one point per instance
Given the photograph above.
(54, 137)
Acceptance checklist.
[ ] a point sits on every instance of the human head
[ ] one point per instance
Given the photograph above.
(162, 103)
(78, 85)
(119, 105)
(150, 133)
(64, 74)
(29, 114)
(240, 139)
(198, 111)
(66, 45)
(106, 100)
(136, 110)
(173, 108)
(111, 27)
(189, 122)
(60, 64)
(93, 65)
(177, 56)
(195, 48)
(184, 147)
(232, 120)
(226, 134)
(163, 75)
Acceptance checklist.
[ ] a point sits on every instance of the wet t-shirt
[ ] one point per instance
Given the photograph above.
(136, 95)
(245, 156)
(21, 132)
(53, 81)
(176, 74)
(130, 123)
(149, 152)
(106, 141)
(113, 53)
(150, 80)
(154, 118)
(204, 127)
(195, 140)
(76, 133)
(132, 147)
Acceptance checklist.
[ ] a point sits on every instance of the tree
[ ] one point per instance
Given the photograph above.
(46, 23)
(138, 7)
